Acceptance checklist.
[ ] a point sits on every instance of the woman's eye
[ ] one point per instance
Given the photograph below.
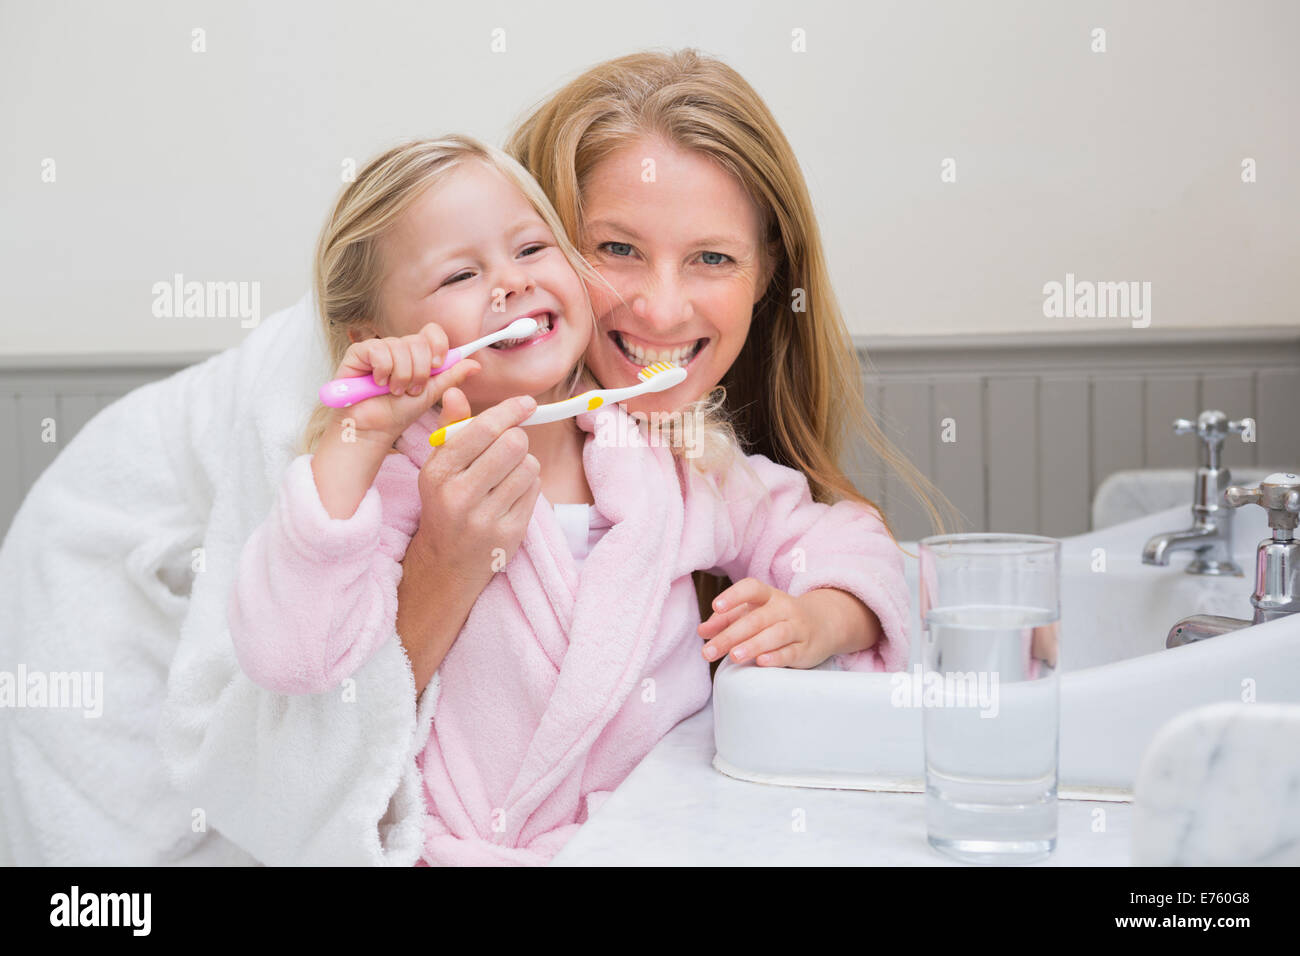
(721, 258)
(617, 248)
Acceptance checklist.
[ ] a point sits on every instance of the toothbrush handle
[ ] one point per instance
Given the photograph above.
(554, 411)
(342, 392)
(545, 414)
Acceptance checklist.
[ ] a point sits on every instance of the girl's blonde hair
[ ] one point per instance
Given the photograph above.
(795, 391)
(348, 272)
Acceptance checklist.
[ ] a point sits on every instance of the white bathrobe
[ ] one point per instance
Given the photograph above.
(190, 762)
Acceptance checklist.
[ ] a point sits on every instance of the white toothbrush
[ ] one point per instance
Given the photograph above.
(658, 377)
(343, 392)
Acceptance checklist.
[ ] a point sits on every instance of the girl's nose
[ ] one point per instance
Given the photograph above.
(512, 279)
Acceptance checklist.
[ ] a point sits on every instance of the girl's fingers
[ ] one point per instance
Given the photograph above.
(442, 386)
(438, 344)
(421, 364)
(401, 353)
(380, 359)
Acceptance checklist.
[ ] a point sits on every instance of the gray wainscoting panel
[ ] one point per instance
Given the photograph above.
(1036, 423)
(1063, 457)
(1042, 420)
(46, 399)
(1277, 412)
(1009, 456)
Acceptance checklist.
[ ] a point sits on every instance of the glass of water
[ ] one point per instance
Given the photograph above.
(990, 608)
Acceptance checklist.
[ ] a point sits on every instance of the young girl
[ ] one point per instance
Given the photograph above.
(583, 651)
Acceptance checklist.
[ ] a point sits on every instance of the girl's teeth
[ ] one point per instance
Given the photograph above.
(543, 326)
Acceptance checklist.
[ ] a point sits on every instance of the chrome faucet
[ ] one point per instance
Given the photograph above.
(1277, 562)
(1210, 535)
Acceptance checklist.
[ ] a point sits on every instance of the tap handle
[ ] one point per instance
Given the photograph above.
(1238, 496)
(1212, 428)
(1278, 494)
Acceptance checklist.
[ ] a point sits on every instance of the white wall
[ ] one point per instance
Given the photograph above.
(1122, 165)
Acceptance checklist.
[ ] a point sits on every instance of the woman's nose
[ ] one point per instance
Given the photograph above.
(662, 304)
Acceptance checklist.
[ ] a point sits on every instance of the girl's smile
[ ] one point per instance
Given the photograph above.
(546, 327)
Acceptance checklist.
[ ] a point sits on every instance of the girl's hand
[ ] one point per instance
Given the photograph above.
(403, 364)
(754, 621)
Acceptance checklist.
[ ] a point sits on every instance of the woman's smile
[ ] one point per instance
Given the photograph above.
(640, 353)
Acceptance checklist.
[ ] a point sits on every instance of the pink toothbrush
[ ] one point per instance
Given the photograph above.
(343, 392)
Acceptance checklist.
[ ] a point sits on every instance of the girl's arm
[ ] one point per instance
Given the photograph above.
(345, 470)
(842, 552)
(314, 594)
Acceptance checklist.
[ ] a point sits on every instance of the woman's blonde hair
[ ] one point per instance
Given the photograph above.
(794, 393)
(348, 272)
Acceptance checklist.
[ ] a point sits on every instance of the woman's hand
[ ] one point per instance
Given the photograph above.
(478, 490)
(403, 363)
(477, 494)
(754, 621)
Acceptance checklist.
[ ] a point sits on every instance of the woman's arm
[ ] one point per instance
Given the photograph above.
(840, 553)
(850, 625)
(433, 604)
(477, 494)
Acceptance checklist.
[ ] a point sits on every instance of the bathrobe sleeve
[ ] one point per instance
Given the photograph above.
(775, 532)
(315, 596)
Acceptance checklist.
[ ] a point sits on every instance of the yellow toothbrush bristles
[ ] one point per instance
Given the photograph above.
(652, 370)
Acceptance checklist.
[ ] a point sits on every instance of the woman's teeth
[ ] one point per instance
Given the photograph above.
(644, 356)
(543, 326)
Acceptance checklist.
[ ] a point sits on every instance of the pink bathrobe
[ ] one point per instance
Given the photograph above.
(560, 682)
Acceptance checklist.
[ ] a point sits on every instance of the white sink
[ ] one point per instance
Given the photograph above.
(1119, 684)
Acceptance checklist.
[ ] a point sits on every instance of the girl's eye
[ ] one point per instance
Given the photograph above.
(617, 248)
(535, 247)
(457, 277)
(722, 257)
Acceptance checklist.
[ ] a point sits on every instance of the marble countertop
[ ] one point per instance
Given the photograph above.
(674, 809)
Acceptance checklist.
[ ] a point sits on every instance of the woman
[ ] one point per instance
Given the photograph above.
(642, 156)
